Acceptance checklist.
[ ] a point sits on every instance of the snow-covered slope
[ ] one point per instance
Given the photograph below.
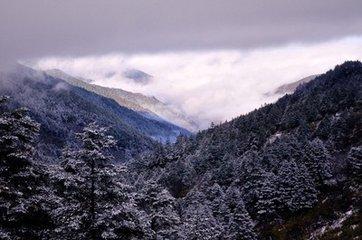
(63, 109)
(150, 107)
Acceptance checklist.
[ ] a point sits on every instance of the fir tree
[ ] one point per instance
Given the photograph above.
(355, 163)
(218, 204)
(198, 220)
(260, 193)
(22, 205)
(160, 207)
(240, 224)
(317, 161)
(296, 188)
(86, 181)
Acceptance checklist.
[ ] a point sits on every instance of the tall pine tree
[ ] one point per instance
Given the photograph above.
(86, 183)
(22, 213)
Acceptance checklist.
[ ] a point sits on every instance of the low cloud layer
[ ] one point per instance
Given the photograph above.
(212, 85)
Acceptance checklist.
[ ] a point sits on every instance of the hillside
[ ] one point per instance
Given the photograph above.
(63, 109)
(294, 165)
(289, 170)
(148, 106)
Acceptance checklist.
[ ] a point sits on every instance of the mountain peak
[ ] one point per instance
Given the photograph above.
(137, 76)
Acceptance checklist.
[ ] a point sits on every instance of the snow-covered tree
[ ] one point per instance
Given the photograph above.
(160, 207)
(198, 220)
(324, 129)
(87, 181)
(22, 211)
(317, 161)
(260, 193)
(355, 163)
(18, 133)
(296, 188)
(119, 216)
(179, 177)
(240, 224)
(218, 204)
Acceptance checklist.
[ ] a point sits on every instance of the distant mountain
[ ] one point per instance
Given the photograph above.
(290, 87)
(137, 76)
(150, 107)
(134, 75)
(63, 109)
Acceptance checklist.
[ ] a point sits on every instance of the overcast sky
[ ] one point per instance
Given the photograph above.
(213, 59)
(34, 28)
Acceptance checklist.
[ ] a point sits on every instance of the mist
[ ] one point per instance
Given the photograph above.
(214, 85)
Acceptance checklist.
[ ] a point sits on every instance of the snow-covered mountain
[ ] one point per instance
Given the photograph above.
(62, 109)
(150, 107)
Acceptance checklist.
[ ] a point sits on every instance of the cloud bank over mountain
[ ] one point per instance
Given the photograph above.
(214, 85)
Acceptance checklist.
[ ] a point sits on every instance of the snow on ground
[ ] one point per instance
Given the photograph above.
(336, 224)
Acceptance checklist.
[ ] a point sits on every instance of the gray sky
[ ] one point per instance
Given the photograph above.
(37, 28)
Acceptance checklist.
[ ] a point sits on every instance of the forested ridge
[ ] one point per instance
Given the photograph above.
(63, 109)
(289, 170)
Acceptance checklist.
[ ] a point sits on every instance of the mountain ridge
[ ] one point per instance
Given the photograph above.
(62, 109)
(149, 106)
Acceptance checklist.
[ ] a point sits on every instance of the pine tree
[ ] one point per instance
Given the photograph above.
(18, 134)
(198, 220)
(355, 163)
(284, 148)
(22, 199)
(304, 131)
(87, 179)
(160, 207)
(324, 129)
(218, 203)
(179, 177)
(240, 224)
(260, 193)
(317, 161)
(120, 217)
(296, 188)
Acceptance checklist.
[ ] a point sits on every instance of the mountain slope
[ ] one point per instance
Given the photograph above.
(289, 170)
(148, 106)
(63, 109)
(294, 165)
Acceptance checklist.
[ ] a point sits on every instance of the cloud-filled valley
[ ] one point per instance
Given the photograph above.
(214, 85)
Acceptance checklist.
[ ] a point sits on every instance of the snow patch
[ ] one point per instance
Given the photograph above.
(336, 224)
(274, 137)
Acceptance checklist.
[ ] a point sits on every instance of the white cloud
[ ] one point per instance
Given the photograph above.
(213, 85)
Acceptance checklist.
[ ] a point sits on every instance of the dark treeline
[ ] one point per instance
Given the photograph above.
(283, 171)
